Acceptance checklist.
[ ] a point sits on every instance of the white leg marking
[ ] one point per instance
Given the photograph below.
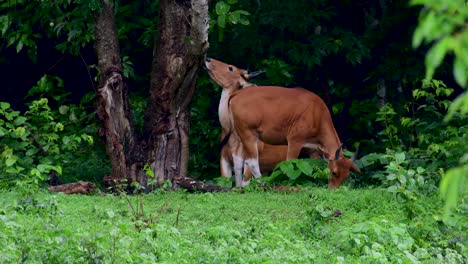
(254, 167)
(238, 166)
(226, 168)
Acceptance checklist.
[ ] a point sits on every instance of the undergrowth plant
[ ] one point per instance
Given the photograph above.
(298, 171)
(413, 165)
(37, 144)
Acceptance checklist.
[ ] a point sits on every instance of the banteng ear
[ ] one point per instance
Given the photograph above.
(245, 75)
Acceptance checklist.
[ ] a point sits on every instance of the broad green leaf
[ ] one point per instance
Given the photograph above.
(4, 105)
(242, 12)
(4, 23)
(304, 167)
(400, 157)
(11, 160)
(87, 98)
(420, 170)
(286, 167)
(435, 56)
(19, 132)
(244, 21)
(423, 29)
(19, 120)
(63, 109)
(222, 8)
(19, 46)
(460, 104)
(293, 174)
(453, 182)
(12, 169)
(31, 151)
(234, 17)
(460, 71)
(12, 115)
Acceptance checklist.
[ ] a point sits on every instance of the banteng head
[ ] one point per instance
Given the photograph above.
(228, 76)
(340, 167)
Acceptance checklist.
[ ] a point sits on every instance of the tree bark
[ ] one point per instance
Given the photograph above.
(179, 49)
(112, 99)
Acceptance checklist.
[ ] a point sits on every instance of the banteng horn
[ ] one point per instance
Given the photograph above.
(354, 157)
(255, 74)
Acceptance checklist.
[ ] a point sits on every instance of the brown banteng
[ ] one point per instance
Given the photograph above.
(232, 79)
(285, 116)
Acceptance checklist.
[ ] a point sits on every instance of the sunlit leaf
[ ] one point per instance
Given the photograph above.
(222, 8)
(453, 182)
(460, 71)
(435, 56)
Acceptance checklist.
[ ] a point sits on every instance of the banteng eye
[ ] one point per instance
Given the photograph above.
(230, 68)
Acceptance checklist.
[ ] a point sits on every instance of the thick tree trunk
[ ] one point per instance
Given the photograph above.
(179, 50)
(113, 106)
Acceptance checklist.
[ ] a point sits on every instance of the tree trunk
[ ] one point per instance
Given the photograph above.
(112, 100)
(179, 49)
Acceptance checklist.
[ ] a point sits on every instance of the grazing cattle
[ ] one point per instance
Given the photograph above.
(232, 79)
(284, 116)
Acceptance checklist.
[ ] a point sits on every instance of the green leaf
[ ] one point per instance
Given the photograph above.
(19, 46)
(460, 72)
(31, 151)
(435, 56)
(460, 104)
(400, 157)
(4, 23)
(451, 185)
(19, 120)
(304, 167)
(234, 17)
(286, 167)
(63, 109)
(222, 8)
(4, 105)
(87, 98)
(244, 21)
(11, 160)
(293, 174)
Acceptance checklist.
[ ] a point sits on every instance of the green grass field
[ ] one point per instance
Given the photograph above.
(312, 226)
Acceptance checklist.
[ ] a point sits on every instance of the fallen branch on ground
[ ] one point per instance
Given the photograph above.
(79, 187)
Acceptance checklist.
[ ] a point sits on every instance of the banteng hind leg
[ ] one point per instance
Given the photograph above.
(251, 153)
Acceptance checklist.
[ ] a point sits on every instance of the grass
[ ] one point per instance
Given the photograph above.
(313, 226)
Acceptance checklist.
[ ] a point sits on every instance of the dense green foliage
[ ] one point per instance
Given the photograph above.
(315, 225)
(445, 24)
(404, 107)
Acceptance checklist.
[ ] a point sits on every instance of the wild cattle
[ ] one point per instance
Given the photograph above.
(284, 116)
(232, 79)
